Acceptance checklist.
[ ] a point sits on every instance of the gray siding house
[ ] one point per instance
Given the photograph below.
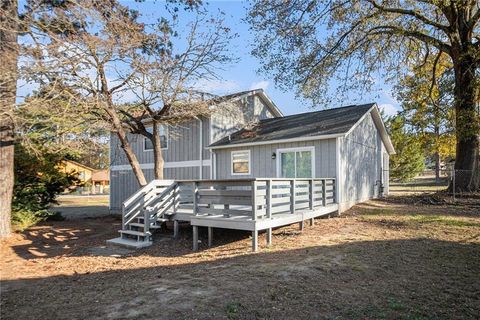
(254, 140)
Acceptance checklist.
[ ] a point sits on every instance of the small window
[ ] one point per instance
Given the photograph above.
(241, 162)
(147, 143)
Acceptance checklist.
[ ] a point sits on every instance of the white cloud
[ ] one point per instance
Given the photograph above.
(260, 85)
(218, 86)
(389, 109)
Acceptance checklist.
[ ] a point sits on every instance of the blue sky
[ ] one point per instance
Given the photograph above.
(243, 75)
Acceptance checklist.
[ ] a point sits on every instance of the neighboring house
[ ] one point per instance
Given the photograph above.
(84, 172)
(91, 180)
(101, 181)
(255, 140)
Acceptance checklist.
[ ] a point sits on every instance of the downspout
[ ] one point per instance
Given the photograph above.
(200, 144)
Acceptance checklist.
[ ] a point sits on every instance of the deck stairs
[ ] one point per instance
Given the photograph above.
(146, 211)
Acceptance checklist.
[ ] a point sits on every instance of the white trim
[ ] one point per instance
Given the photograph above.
(248, 144)
(338, 163)
(298, 149)
(249, 163)
(377, 119)
(175, 164)
(145, 139)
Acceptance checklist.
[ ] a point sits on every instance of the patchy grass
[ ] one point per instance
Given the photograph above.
(385, 259)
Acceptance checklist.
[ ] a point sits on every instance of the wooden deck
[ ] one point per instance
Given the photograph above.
(247, 204)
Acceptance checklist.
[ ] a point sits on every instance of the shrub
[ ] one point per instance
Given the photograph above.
(38, 181)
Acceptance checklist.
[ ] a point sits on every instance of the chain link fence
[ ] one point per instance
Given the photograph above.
(447, 181)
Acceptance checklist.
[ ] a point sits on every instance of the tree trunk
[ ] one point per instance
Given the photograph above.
(467, 177)
(157, 151)
(8, 86)
(125, 145)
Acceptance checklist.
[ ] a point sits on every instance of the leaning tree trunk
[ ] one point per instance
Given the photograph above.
(467, 175)
(8, 85)
(125, 145)
(157, 151)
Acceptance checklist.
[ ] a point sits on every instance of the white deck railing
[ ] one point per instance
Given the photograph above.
(258, 198)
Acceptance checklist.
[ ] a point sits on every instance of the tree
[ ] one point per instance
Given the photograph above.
(165, 83)
(38, 181)
(428, 109)
(307, 44)
(409, 159)
(8, 79)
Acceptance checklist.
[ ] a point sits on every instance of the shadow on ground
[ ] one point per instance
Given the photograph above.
(394, 279)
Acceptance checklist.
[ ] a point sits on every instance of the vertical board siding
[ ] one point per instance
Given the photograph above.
(183, 145)
(263, 166)
(361, 163)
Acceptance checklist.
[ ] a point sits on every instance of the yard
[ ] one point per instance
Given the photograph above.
(407, 257)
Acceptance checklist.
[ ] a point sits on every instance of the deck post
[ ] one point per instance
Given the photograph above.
(175, 229)
(269, 200)
(146, 221)
(210, 236)
(254, 200)
(195, 198)
(269, 236)
(301, 225)
(195, 238)
(254, 240)
(292, 196)
(310, 194)
(324, 193)
(312, 222)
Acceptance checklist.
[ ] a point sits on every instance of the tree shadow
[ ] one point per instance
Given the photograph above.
(412, 278)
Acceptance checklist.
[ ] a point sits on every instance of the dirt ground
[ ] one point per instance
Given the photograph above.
(401, 258)
(82, 206)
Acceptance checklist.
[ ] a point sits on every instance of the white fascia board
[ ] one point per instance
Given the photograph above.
(248, 144)
(377, 119)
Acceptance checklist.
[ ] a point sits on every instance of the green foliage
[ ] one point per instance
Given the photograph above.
(38, 181)
(427, 105)
(409, 159)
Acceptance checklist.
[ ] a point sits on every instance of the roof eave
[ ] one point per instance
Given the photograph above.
(258, 143)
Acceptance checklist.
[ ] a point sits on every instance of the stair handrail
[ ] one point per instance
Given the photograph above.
(143, 209)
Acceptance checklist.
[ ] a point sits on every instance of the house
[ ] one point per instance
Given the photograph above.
(100, 181)
(84, 173)
(284, 169)
(91, 180)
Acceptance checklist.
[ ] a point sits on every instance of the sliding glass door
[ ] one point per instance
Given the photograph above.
(296, 163)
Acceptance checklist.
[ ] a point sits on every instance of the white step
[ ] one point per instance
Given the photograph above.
(128, 243)
(141, 225)
(140, 219)
(134, 233)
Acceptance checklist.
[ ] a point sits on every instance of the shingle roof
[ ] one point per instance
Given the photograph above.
(309, 124)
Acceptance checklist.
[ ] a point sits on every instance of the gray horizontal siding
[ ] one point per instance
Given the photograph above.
(263, 166)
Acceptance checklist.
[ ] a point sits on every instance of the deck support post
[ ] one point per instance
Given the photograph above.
(255, 240)
(195, 238)
(269, 236)
(301, 225)
(175, 229)
(210, 236)
(292, 196)
(312, 222)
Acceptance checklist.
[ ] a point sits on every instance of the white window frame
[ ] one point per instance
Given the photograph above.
(286, 150)
(145, 140)
(249, 163)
